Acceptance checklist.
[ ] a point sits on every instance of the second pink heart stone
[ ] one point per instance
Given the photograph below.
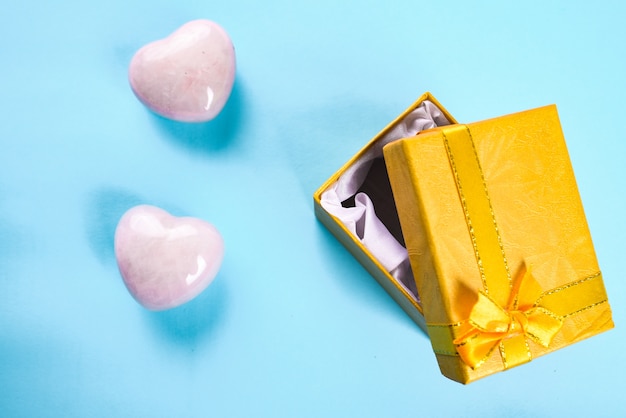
(164, 260)
(187, 76)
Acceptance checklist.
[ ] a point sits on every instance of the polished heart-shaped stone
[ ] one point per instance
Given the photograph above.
(165, 260)
(187, 76)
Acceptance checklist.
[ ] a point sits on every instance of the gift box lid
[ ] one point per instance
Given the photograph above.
(498, 241)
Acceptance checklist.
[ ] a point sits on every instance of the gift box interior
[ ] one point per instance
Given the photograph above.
(418, 210)
(345, 205)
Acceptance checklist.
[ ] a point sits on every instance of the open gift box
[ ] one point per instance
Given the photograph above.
(477, 231)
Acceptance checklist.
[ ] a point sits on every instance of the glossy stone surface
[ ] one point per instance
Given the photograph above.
(164, 260)
(187, 76)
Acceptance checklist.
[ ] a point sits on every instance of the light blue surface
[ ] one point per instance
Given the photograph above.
(292, 326)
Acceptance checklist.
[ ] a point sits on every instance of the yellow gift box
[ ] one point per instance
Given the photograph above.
(477, 231)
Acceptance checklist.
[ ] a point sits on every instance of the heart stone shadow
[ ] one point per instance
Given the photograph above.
(188, 325)
(105, 207)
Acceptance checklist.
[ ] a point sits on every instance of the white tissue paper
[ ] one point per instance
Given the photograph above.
(361, 220)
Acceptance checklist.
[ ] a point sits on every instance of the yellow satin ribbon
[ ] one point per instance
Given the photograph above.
(490, 326)
(529, 315)
(508, 313)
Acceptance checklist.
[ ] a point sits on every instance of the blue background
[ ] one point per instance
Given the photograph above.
(292, 326)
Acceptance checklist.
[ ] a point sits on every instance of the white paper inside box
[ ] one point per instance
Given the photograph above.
(357, 206)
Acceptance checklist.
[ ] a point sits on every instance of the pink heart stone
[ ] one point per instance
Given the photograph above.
(164, 260)
(187, 76)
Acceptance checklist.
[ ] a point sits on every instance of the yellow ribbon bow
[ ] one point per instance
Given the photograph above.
(490, 326)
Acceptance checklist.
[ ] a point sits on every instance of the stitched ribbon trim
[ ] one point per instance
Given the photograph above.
(508, 314)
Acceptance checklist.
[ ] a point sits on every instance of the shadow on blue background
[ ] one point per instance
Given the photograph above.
(212, 136)
(11, 243)
(195, 322)
(12, 239)
(104, 210)
(356, 280)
